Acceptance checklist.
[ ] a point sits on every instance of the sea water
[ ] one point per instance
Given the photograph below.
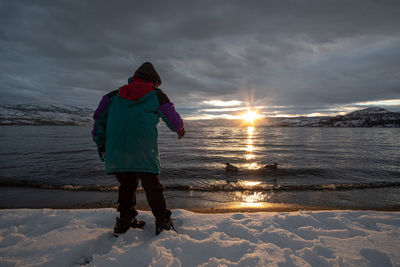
(331, 167)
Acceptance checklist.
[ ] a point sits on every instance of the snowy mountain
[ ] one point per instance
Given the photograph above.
(368, 111)
(369, 117)
(32, 114)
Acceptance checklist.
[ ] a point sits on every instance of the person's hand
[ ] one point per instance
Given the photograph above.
(102, 152)
(181, 133)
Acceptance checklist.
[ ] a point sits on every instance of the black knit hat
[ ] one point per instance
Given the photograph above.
(147, 72)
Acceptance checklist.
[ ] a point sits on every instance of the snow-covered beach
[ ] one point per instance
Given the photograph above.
(51, 237)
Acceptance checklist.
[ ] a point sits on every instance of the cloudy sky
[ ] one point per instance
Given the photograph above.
(215, 58)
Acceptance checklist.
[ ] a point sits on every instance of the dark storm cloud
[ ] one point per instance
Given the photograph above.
(305, 55)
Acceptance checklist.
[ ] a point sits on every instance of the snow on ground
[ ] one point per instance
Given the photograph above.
(78, 237)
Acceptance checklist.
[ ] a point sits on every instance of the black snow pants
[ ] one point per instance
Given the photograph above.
(151, 185)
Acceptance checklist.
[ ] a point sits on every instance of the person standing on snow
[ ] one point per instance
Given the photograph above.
(126, 135)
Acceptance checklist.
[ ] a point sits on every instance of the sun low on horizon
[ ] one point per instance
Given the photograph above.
(250, 116)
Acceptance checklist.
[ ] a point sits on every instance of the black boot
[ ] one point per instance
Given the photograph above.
(126, 221)
(164, 223)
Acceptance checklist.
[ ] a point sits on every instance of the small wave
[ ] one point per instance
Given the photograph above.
(284, 187)
(62, 152)
(189, 172)
(289, 172)
(219, 187)
(23, 183)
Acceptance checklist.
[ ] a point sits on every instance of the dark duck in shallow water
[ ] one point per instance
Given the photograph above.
(230, 168)
(271, 166)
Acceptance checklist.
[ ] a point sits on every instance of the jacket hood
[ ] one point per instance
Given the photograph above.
(136, 89)
(147, 72)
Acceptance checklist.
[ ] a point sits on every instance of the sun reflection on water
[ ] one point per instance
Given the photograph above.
(249, 183)
(249, 156)
(254, 199)
(250, 131)
(251, 205)
(250, 148)
(249, 198)
(252, 166)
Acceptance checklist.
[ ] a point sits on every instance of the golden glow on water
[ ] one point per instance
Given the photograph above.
(261, 206)
(249, 142)
(252, 166)
(250, 131)
(253, 200)
(249, 156)
(250, 148)
(249, 183)
(251, 205)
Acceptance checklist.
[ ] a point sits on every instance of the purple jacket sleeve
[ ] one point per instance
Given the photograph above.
(171, 117)
(100, 120)
(167, 112)
(100, 109)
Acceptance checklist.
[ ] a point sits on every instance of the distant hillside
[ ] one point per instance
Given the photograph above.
(369, 117)
(32, 114)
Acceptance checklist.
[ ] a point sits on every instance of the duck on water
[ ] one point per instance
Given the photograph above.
(271, 166)
(230, 167)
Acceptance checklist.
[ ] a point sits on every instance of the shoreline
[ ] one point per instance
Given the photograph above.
(10, 198)
(207, 202)
(279, 208)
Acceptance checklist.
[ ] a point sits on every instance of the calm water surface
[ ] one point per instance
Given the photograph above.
(337, 163)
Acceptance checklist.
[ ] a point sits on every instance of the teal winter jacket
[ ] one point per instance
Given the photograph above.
(126, 126)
